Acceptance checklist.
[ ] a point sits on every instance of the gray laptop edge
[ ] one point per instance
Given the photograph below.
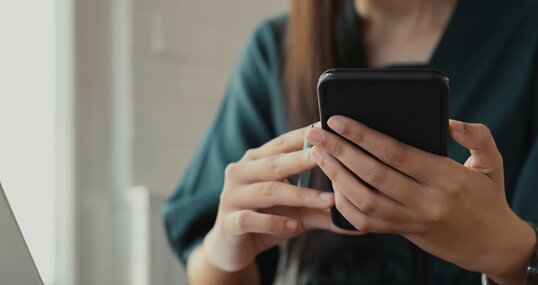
(16, 263)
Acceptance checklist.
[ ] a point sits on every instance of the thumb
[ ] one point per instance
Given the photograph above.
(484, 153)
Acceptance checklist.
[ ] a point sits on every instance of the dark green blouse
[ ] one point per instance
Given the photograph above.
(490, 53)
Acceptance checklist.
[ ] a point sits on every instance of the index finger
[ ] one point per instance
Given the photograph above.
(276, 167)
(409, 160)
(288, 142)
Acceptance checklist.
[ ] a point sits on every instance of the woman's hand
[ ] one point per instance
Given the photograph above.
(259, 209)
(456, 212)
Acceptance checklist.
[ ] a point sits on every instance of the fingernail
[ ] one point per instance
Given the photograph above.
(336, 124)
(459, 126)
(316, 155)
(314, 137)
(326, 197)
(291, 224)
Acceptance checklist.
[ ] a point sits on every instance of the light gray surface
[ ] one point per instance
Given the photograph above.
(16, 263)
(183, 54)
(173, 44)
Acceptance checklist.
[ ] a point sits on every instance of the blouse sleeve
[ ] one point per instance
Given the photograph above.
(243, 122)
(525, 200)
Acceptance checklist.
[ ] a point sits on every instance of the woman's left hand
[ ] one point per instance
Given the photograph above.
(456, 212)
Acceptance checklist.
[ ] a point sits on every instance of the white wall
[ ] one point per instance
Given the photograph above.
(183, 54)
(141, 109)
(28, 122)
(172, 45)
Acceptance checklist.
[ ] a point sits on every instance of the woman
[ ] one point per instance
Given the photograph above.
(236, 219)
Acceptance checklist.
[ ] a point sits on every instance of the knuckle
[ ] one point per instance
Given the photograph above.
(456, 187)
(395, 154)
(241, 220)
(377, 176)
(281, 140)
(439, 213)
(367, 205)
(339, 149)
(484, 130)
(231, 170)
(250, 154)
(274, 163)
(268, 189)
(485, 135)
(223, 197)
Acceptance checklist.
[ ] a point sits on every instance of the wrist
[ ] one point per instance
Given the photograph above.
(200, 270)
(227, 254)
(210, 245)
(511, 255)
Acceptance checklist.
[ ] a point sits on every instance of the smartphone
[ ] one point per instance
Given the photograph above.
(410, 105)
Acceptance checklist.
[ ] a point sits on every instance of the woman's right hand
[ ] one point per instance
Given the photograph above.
(259, 209)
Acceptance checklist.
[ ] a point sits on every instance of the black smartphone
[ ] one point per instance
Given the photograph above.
(410, 105)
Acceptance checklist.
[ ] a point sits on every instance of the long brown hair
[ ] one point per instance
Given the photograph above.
(310, 51)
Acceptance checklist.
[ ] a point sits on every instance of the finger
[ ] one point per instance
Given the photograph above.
(313, 219)
(377, 174)
(364, 199)
(248, 221)
(277, 167)
(407, 159)
(362, 221)
(276, 193)
(485, 155)
(288, 142)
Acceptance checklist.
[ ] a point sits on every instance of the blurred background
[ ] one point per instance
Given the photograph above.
(102, 103)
